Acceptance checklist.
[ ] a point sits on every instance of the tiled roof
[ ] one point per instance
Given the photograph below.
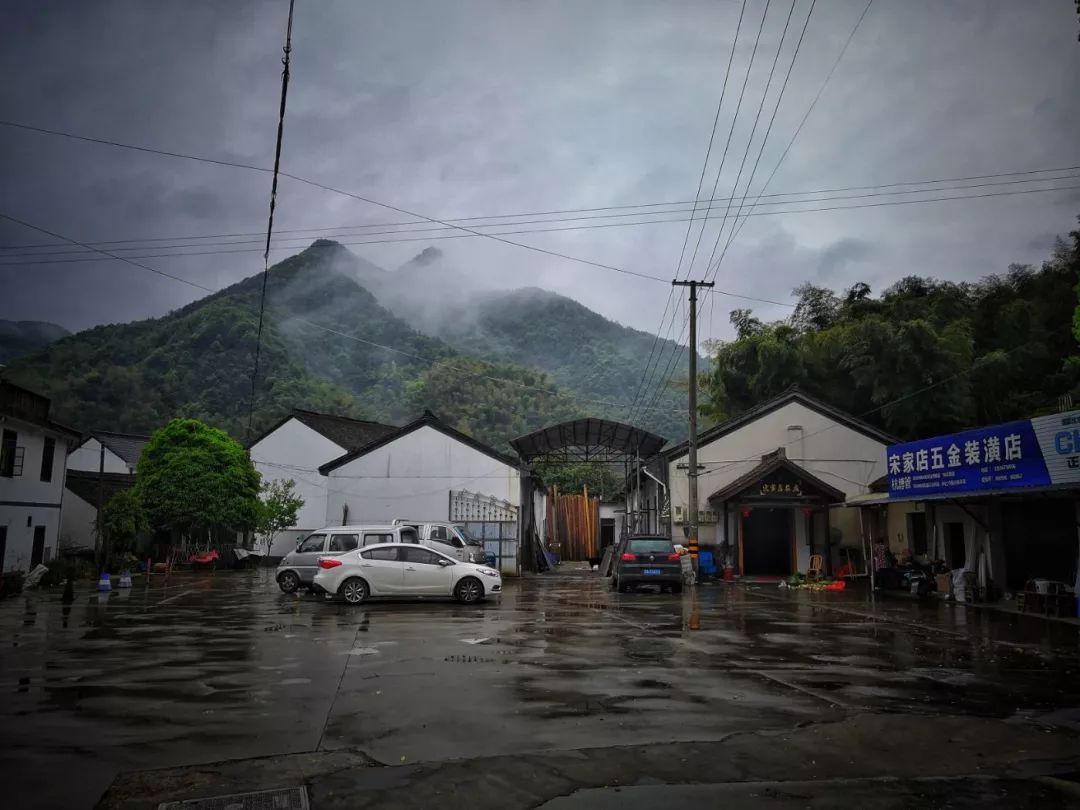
(128, 446)
(352, 434)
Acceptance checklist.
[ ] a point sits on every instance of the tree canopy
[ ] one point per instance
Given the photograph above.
(923, 358)
(193, 478)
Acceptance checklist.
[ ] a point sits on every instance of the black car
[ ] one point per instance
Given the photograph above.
(647, 560)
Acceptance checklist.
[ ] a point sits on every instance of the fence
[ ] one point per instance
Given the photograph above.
(491, 520)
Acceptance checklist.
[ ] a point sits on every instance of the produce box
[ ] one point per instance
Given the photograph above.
(944, 584)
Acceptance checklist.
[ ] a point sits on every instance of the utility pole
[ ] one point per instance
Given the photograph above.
(692, 465)
(99, 540)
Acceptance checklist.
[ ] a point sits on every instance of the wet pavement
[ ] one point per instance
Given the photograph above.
(563, 694)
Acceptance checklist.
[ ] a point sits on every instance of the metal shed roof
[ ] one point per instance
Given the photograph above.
(588, 439)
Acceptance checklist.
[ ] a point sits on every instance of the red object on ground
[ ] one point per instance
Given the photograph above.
(205, 558)
(836, 586)
(729, 572)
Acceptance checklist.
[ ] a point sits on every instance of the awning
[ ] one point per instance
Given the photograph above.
(883, 498)
(811, 488)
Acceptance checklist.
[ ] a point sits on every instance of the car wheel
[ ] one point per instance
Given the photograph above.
(676, 588)
(469, 590)
(288, 582)
(354, 591)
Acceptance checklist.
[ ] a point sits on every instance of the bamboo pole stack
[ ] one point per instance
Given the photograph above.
(576, 525)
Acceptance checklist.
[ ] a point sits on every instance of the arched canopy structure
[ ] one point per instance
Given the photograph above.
(596, 440)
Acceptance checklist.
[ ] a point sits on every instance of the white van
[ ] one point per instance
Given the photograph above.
(297, 568)
(451, 539)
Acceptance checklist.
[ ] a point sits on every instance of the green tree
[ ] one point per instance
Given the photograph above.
(277, 508)
(193, 479)
(122, 520)
(599, 478)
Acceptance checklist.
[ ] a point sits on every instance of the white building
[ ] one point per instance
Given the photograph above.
(78, 518)
(295, 448)
(122, 452)
(427, 470)
(772, 482)
(33, 459)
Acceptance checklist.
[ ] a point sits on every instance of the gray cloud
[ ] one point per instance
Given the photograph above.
(483, 107)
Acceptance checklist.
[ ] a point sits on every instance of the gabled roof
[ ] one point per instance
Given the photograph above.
(344, 431)
(84, 484)
(770, 464)
(427, 420)
(793, 394)
(128, 446)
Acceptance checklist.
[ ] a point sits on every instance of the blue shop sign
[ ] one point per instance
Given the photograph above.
(1029, 453)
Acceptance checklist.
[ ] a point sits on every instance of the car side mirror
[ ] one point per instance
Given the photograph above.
(298, 544)
(445, 563)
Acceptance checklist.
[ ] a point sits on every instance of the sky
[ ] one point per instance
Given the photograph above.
(472, 109)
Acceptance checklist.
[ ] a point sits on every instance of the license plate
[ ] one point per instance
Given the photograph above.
(652, 572)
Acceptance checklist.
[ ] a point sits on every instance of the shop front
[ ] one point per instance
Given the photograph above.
(1001, 503)
(778, 517)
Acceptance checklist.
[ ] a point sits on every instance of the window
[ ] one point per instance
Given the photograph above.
(409, 535)
(47, 459)
(421, 556)
(8, 448)
(651, 546)
(344, 542)
(313, 543)
(373, 539)
(438, 533)
(386, 554)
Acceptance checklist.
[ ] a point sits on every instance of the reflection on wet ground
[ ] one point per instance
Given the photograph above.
(222, 667)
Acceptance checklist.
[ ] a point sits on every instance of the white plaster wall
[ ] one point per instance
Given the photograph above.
(20, 537)
(840, 456)
(296, 451)
(88, 457)
(413, 476)
(26, 497)
(77, 522)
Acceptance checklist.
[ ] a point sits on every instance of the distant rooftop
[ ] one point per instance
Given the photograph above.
(352, 434)
(128, 446)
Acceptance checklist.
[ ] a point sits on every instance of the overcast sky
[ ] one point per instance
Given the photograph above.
(457, 109)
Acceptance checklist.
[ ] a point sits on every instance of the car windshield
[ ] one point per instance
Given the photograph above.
(469, 537)
(652, 545)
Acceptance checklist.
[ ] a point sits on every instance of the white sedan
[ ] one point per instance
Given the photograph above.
(404, 569)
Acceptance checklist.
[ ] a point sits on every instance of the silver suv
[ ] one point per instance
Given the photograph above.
(451, 539)
(297, 568)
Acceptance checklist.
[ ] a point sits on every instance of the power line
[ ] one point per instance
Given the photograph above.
(270, 221)
(719, 172)
(360, 197)
(551, 213)
(731, 131)
(712, 136)
(321, 327)
(690, 222)
(665, 380)
(806, 115)
(29, 261)
(82, 255)
(757, 120)
(764, 140)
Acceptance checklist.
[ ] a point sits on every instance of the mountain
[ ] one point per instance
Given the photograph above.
(597, 360)
(318, 351)
(23, 337)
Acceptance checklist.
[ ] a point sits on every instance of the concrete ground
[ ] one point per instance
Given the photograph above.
(563, 695)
